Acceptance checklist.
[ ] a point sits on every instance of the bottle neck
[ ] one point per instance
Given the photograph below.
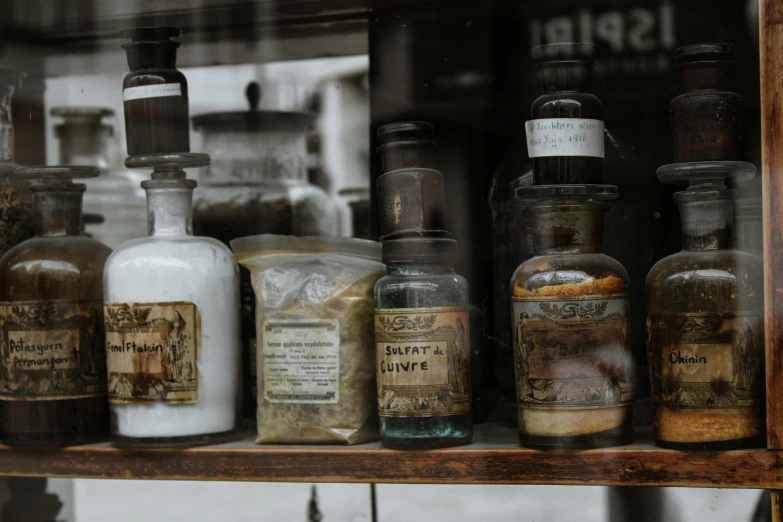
(567, 228)
(419, 268)
(568, 76)
(169, 211)
(152, 55)
(707, 225)
(58, 213)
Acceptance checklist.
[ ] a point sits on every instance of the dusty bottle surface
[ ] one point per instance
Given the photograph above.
(52, 312)
(154, 93)
(707, 119)
(423, 347)
(705, 332)
(570, 313)
(565, 136)
(16, 200)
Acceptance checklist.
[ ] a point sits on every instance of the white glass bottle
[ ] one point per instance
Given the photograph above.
(172, 322)
(113, 203)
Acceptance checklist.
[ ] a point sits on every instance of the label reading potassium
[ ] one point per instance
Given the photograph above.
(706, 360)
(151, 351)
(151, 91)
(51, 350)
(565, 137)
(301, 361)
(572, 353)
(423, 357)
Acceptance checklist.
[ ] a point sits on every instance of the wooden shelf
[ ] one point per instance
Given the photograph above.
(495, 458)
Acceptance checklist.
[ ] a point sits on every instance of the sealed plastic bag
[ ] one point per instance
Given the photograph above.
(315, 347)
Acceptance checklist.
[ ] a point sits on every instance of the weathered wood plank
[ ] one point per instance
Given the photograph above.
(494, 459)
(771, 49)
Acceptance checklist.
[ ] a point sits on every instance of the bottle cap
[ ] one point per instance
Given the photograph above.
(181, 160)
(411, 202)
(150, 34)
(699, 173)
(58, 177)
(419, 249)
(705, 51)
(577, 51)
(707, 67)
(407, 144)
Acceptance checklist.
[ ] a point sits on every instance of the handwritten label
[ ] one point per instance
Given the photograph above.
(151, 91)
(423, 357)
(300, 361)
(565, 137)
(51, 350)
(152, 352)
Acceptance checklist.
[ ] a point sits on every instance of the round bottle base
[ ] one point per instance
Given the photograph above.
(186, 441)
(606, 439)
(425, 443)
(722, 445)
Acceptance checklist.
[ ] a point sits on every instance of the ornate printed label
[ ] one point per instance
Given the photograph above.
(706, 360)
(572, 353)
(565, 137)
(152, 350)
(52, 350)
(151, 91)
(423, 361)
(301, 361)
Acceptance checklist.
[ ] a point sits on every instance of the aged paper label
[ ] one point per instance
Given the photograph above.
(423, 358)
(572, 353)
(706, 360)
(52, 350)
(301, 361)
(565, 137)
(152, 352)
(151, 91)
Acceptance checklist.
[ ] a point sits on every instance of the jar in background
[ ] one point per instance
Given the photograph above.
(114, 197)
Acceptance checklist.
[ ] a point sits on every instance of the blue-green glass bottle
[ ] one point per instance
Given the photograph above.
(422, 336)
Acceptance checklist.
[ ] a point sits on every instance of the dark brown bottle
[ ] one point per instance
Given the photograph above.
(52, 351)
(707, 118)
(154, 93)
(565, 136)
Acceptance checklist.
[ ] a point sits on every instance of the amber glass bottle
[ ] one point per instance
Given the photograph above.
(52, 356)
(705, 322)
(566, 133)
(570, 311)
(154, 93)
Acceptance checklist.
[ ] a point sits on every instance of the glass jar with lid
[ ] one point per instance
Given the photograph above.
(257, 184)
(114, 207)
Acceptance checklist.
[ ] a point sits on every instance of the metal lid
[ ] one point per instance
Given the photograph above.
(254, 120)
(150, 33)
(582, 192)
(704, 52)
(419, 249)
(270, 244)
(405, 130)
(581, 51)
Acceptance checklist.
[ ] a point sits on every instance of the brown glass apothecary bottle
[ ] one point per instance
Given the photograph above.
(706, 319)
(565, 137)
(707, 119)
(570, 315)
(52, 356)
(154, 93)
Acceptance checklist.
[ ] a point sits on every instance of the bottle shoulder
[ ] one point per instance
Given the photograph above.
(176, 254)
(153, 76)
(567, 105)
(570, 275)
(78, 250)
